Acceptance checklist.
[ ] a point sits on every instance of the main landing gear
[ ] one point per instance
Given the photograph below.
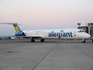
(83, 40)
(33, 40)
(42, 40)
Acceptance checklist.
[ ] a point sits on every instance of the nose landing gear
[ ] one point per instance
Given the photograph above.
(92, 40)
(83, 40)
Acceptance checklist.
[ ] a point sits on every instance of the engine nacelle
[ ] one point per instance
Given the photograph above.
(20, 33)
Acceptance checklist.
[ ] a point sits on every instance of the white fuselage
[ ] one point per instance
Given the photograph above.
(58, 33)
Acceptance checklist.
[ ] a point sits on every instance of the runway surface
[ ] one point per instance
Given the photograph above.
(48, 55)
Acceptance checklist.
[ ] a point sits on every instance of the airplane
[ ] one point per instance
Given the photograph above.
(51, 33)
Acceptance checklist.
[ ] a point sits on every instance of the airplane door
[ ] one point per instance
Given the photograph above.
(74, 34)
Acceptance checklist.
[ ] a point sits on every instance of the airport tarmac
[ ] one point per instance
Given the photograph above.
(48, 55)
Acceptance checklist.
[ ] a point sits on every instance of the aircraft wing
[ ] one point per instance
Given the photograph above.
(28, 37)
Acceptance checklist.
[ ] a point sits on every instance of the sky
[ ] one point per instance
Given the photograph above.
(44, 14)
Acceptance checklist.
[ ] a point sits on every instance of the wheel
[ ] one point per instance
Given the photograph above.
(83, 41)
(32, 40)
(92, 40)
(42, 40)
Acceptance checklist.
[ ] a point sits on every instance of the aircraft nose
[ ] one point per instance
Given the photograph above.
(88, 36)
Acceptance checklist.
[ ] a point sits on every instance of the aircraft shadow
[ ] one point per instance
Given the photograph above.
(46, 41)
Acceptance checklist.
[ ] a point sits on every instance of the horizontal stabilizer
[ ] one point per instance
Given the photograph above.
(10, 23)
(16, 27)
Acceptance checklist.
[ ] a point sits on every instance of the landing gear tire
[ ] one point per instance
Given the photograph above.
(83, 41)
(32, 40)
(42, 40)
(92, 40)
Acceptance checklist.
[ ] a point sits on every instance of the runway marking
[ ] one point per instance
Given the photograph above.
(82, 51)
(44, 57)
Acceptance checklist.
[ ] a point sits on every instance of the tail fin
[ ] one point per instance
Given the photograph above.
(16, 27)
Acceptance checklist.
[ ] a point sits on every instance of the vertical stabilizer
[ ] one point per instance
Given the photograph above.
(16, 27)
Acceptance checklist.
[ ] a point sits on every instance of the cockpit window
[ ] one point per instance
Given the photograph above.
(81, 31)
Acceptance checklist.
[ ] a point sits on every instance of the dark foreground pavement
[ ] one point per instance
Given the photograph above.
(50, 55)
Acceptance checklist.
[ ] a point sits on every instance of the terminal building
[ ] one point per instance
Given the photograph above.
(88, 28)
